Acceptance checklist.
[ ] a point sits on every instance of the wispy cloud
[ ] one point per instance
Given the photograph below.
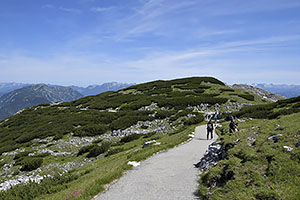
(102, 9)
(70, 10)
(242, 7)
(48, 6)
(231, 61)
(148, 18)
(61, 8)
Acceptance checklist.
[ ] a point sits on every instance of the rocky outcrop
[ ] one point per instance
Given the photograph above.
(211, 156)
(260, 92)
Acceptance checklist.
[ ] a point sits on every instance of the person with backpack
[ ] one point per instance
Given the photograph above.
(210, 129)
(216, 117)
(233, 126)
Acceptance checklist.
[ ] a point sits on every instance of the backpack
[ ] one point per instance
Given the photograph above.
(209, 126)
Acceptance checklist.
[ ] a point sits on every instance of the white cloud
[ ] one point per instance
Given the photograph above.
(148, 18)
(70, 10)
(48, 6)
(102, 9)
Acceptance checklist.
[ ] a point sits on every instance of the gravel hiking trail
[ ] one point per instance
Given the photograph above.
(169, 175)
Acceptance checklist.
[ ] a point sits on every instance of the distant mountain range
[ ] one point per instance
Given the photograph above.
(97, 89)
(284, 90)
(17, 96)
(8, 87)
(32, 95)
(260, 92)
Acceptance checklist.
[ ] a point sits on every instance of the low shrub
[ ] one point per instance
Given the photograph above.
(29, 164)
(162, 114)
(129, 120)
(130, 138)
(148, 135)
(97, 150)
(97, 141)
(194, 120)
(58, 137)
(226, 90)
(248, 97)
(21, 155)
(85, 149)
(91, 130)
(114, 151)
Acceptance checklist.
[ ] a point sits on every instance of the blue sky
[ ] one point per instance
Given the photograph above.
(84, 42)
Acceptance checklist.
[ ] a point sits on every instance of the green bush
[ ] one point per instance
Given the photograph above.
(183, 102)
(283, 112)
(21, 155)
(91, 130)
(130, 138)
(162, 114)
(114, 151)
(248, 97)
(148, 135)
(136, 104)
(29, 164)
(97, 150)
(226, 90)
(194, 120)
(85, 149)
(129, 120)
(180, 113)
(58, 137)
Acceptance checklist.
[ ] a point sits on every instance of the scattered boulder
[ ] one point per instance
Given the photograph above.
(211, 156)
(251, 140)
(275, 137)
(134, 163)
(146, 144)
(288, 148)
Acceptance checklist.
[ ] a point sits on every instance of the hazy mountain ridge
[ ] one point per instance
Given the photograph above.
(8, 87)
(97, 89)
(17, 96)
(258, 91)
(32, 95)
(282, 89)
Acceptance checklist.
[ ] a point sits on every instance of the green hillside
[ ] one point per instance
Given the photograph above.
(257, 165)
(84, 144)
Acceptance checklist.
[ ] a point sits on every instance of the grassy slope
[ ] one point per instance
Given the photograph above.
(263, 169)
(105, 170)
(94, 115)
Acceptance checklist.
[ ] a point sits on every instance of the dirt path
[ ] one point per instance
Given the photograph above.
(167, 176)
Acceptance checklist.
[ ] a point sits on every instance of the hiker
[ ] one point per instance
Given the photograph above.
(233, 126)
(216, 117)
(236, 123)
(210, 129)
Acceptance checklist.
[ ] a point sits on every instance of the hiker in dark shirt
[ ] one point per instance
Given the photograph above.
(233, 126)
(210, 129)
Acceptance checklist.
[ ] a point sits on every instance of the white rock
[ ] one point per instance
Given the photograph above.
(134, 163)
(288, 148)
